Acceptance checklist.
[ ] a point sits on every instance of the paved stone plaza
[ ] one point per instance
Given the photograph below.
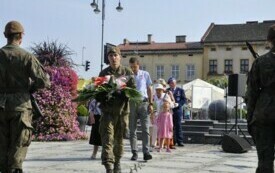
(74, 156)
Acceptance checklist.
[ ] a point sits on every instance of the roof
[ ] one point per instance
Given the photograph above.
(145, 46)
(250, 31)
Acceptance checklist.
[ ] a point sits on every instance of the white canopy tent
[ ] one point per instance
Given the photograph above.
(201, 94)
(217, 93)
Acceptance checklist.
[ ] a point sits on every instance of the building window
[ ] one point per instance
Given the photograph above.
(190, 72)
(190, 54)
(142, 56)
(213, 66)
(160, 71)
(244, 48)
(228, 49)
(228, 66)
(142, 67)
(244, 66)
(175, 71)
(213, 49)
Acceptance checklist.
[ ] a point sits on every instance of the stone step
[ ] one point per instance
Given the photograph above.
(221, 131)
(199, 122)
(217, 139)
(205, 131)
(206, 138)
(191, 137)
(195, 128)
(229, 125)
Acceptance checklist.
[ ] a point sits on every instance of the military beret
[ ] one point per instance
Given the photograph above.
(171, 79)
(113, 50)
(13, 27)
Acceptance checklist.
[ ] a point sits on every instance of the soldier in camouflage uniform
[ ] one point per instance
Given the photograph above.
(20, 73)
(114, 118)
(261, 106)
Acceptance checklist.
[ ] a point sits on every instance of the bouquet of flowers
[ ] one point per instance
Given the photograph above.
(106, 89)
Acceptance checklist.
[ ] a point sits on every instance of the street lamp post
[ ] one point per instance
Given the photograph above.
(96, 10)
(82, 61)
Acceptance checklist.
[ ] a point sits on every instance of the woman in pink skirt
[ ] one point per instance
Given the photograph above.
(165, 126)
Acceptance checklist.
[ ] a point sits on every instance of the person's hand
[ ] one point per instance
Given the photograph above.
(150, 108)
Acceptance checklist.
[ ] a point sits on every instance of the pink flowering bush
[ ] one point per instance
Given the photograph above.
(58, 122)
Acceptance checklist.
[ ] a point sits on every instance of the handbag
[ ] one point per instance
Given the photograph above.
(90, 120)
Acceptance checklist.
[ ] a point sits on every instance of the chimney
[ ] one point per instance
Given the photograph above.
(181, 39)
(125, 41)
(149, 38)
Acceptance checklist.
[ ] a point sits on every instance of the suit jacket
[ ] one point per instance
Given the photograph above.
(179, 96)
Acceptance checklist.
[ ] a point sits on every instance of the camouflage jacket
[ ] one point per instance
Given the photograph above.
(121, 105)
(260, 89)
(20, 73)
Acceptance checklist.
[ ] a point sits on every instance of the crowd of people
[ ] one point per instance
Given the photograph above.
(159, 112)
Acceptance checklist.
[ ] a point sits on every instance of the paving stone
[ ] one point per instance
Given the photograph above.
(74, 157)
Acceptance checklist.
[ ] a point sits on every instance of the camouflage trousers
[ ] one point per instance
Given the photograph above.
(112, 129)
(264, 135)
(15, 137)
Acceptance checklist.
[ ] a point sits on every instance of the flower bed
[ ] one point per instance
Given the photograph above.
(58, 122)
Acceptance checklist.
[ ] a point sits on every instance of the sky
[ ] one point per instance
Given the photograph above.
(73, 22)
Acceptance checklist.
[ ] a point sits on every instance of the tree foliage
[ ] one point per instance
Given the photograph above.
(219, 81)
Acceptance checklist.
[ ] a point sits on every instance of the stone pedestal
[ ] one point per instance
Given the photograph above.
(82, 120)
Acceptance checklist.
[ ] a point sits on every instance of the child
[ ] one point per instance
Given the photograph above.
(165, 126)
(95, 138)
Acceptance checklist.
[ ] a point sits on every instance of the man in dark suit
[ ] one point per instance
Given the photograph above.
(180, 98)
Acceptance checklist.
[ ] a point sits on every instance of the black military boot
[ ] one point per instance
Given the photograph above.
(135, 155)
(109, 171)
(147, 156)
(117, 167)
(109, 168)
(16, 171)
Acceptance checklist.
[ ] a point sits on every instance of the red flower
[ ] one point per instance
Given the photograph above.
(100, 80)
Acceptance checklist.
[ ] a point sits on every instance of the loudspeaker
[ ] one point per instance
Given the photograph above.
(236, 85)
(234, 144)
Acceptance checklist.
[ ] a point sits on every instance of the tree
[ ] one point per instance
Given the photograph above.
(219, 81)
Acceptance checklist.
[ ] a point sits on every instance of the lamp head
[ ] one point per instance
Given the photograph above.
(96, 10)
(93, 4)
(119, 8)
